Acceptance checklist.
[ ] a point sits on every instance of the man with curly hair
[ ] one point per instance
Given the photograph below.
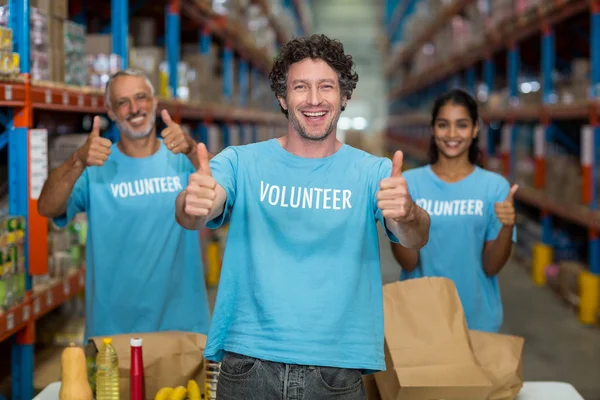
(299, 311)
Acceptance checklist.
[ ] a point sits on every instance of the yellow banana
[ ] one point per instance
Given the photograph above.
(163, 393)
(193, 390)
(179, 393)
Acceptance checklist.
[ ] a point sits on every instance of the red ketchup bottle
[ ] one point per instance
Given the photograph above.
(136, 375)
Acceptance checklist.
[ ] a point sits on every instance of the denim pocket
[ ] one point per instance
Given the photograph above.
(340, 379)
(238, 366)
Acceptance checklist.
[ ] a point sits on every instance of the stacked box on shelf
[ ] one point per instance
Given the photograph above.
(57, 48)
(66, 247)
(57, 16)
(500, 12)
(203, 87)
(575, 87)
(563, 176)
(74, 54)
(524, 165)
(38, 42)
(12, 261)
(9, 60)
(100, 61)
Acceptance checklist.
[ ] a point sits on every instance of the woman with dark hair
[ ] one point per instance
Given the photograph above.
(471, 209)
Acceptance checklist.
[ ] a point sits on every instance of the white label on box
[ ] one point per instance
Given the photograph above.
(506, 138)
(65, 98)
(8, 92)
(48, 96)
(38, 161)
(94, 101)
(80, 100)
(539, 141)
(10, 321)
(49, 299)
(26, 313)
(66, 288)
(587, 145)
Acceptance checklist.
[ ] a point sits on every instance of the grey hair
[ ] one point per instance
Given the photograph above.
(126, 72)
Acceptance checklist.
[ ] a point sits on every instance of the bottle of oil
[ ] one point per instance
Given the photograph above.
(107, 372)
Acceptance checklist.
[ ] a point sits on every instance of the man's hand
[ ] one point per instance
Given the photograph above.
(393, 198)
(200, 193)
(96, 149)
(505, 210)
(174, 137)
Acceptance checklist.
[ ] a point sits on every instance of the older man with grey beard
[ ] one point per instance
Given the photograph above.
(144, 272)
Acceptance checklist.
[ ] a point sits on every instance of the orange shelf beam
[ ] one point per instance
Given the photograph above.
(40, 303)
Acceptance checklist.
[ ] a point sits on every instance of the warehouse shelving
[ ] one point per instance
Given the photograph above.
(21, 98)
(502, 48)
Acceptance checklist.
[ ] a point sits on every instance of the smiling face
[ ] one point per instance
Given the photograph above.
(313, 100)
(133, 107)
(454, 131)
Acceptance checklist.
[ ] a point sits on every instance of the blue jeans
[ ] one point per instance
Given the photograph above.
(247, 378)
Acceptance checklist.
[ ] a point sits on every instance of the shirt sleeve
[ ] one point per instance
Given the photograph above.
(78, 202)
(383, 170)
(224, 167)
(494, 225)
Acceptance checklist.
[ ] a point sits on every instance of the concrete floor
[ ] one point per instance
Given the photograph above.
(557, 347)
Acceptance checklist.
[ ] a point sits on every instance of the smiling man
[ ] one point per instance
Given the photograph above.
(143, 271)
(299, 311)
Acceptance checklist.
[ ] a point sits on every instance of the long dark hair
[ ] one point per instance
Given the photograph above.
(460, 98)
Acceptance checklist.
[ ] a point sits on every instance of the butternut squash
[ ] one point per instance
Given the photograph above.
(74, 378)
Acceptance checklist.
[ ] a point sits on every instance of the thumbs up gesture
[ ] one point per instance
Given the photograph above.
(505, 210)
(174, 137)
(96, 149)
(200, 193)
(393, 198)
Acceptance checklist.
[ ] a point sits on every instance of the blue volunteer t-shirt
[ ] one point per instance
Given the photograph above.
(143, 271)
(301, 280)
(462, 221)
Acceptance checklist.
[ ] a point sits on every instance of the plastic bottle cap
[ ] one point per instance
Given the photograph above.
(136, 342)
(107, 340)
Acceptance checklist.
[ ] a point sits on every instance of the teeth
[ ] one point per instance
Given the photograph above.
(452, 143)
(314, 114)
(137, 119)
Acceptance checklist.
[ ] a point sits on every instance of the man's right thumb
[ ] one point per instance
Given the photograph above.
(96, 127)
(203, 162)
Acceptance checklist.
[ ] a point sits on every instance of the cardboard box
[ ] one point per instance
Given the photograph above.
(148, 59)
(60, 8)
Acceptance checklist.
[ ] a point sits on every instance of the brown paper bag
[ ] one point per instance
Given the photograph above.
(170, 359)
(428, 354)
(501, 357)
(371, 387)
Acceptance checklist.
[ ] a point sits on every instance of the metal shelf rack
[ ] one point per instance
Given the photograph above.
(501, 56)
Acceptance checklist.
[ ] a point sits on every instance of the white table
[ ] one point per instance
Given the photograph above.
(548, 391)
(530, 391)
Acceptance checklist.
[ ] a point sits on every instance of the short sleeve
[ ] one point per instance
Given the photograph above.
(383, 170)
(224, 167)
(494, 225)
(78, 202)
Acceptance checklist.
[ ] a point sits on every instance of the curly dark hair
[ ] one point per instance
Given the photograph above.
(317, 46)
